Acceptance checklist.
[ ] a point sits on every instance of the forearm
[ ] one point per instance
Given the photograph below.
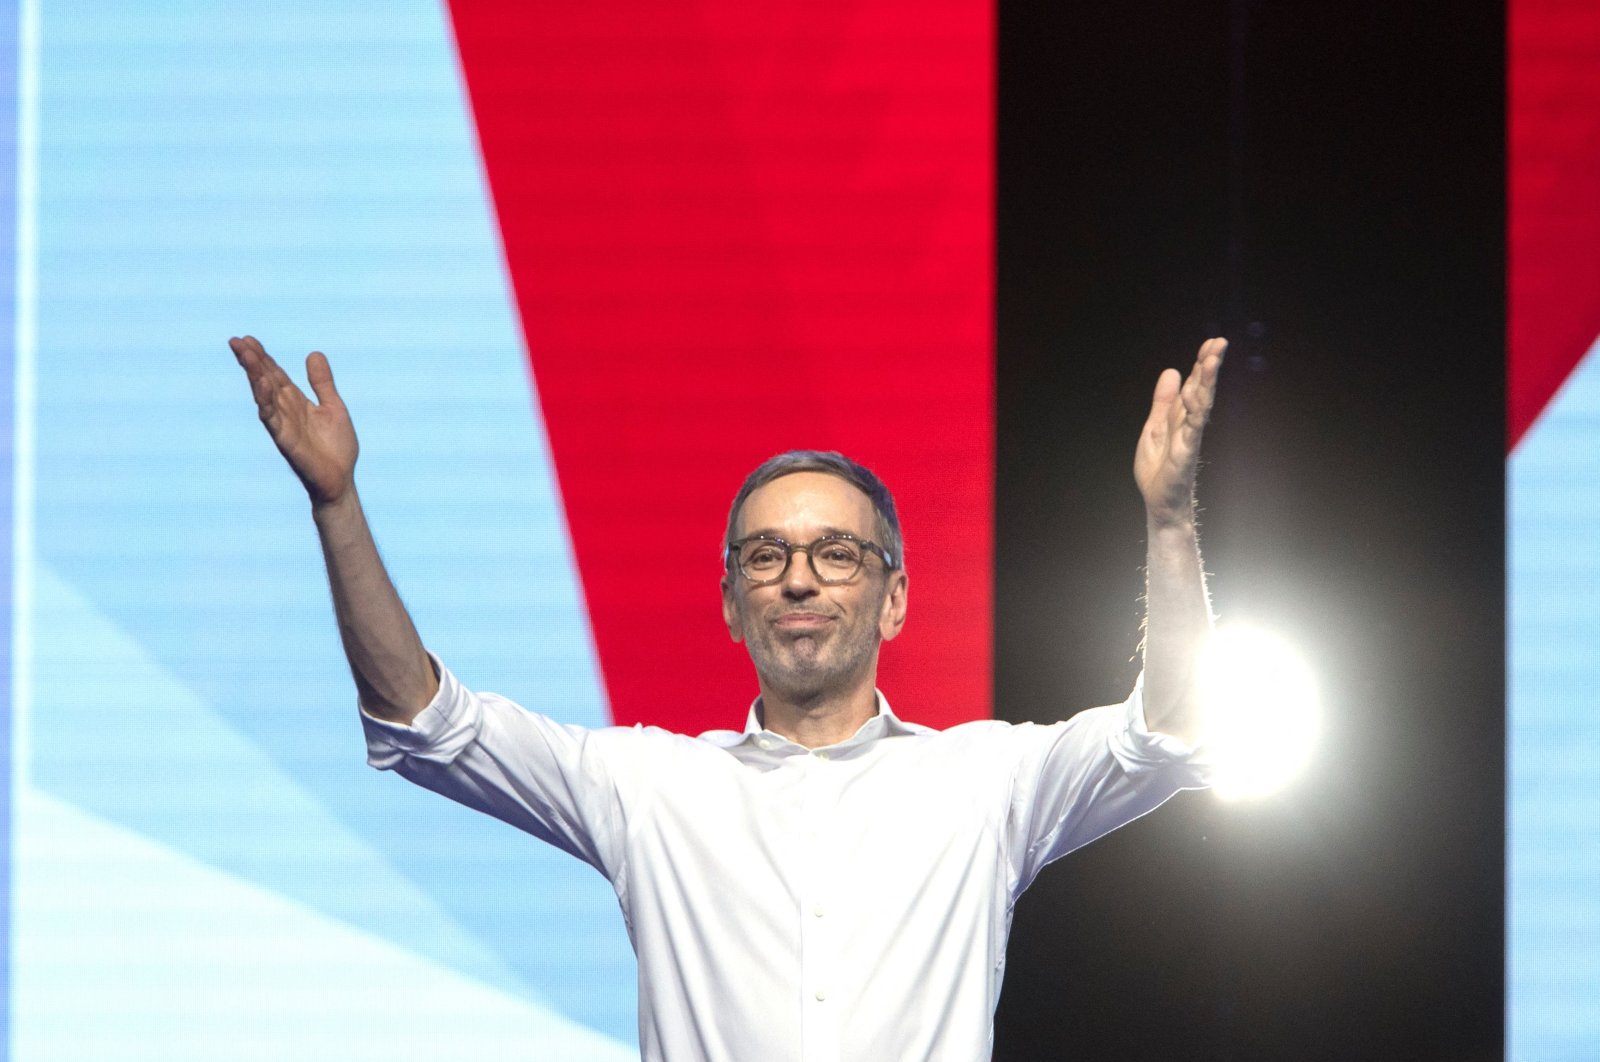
(1177, 621)
(392, 672)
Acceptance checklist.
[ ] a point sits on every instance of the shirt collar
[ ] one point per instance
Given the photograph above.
(884, 724)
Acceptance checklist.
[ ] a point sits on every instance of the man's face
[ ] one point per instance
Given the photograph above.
(805, 637)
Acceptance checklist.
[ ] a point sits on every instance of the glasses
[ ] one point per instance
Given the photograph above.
(763, 559)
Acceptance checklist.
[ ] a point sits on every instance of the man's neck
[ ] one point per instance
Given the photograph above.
(826, 719)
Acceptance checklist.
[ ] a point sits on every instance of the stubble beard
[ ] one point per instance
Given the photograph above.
(805, 668)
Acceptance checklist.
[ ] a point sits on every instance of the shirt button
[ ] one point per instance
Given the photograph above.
(819, 910)
(765, 743)
(822, 755)
(821, 995)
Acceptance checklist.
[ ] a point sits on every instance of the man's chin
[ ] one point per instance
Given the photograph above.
(803, 666)
(798, 674)
(804, 649)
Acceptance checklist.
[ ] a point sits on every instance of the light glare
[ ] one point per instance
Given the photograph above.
(1260, 711)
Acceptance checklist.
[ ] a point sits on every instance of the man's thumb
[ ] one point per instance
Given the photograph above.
(321, 377)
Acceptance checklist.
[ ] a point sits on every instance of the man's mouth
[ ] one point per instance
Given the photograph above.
(801, 621)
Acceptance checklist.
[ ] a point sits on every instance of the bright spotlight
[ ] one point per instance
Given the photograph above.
(1260, 711)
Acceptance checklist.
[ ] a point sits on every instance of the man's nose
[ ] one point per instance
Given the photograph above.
(799, 580)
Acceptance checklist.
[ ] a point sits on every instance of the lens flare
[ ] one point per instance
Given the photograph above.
(1260, 711)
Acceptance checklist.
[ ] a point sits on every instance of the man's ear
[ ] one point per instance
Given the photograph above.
(892, 617)
(730, 610)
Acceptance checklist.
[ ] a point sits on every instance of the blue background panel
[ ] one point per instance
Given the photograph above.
(1553, 732)
(195, 830)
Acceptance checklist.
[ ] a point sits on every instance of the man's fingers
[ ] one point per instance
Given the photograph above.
(274, 406)
(261, 390)
(265, 386)
(1168, 388)
(321, 377)
(247, 350)
(1208, 365)
(267, 377)
(258, 360)
(279, 401)
(1165, 461)
(1199, 390)
(248, 359)
(275, 371)
(1196, 397)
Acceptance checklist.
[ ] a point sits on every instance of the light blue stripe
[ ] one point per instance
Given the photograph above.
(307, 172)
(1553, 732)
(9, 100)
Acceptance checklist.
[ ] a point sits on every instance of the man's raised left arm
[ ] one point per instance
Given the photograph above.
(1177, 607)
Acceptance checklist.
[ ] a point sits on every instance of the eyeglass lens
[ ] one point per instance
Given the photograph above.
(833, 560)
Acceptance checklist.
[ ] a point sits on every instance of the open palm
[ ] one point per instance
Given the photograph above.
(1169, 446)
(316, 438)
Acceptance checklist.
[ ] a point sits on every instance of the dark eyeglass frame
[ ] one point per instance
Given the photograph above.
(731, 557)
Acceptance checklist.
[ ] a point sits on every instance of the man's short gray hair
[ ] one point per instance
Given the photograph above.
(833, 463)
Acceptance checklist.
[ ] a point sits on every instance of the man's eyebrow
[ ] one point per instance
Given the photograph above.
(827, 532)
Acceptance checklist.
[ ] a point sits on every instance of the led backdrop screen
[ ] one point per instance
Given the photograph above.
(1553, 569)
(577, 268)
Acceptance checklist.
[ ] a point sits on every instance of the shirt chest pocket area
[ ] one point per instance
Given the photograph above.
(904, 833)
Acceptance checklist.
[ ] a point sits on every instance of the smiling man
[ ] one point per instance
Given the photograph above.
(831, 883)
(814, 616)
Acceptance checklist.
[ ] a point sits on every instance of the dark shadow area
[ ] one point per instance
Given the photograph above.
(1325, 185)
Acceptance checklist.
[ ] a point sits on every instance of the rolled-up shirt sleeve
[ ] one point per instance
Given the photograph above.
(1079, 779)
(1141, 750)
(556, 781)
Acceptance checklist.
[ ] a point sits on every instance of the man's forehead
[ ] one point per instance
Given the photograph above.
(812, 501)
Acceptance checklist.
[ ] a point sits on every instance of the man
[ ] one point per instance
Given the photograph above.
(831, 883)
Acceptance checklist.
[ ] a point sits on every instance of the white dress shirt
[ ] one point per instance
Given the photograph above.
(841, 904)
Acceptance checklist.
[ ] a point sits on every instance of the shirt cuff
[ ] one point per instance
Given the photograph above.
(1141, 749)
(439, 732)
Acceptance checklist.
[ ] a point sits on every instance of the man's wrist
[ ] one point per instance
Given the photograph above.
(341, 507)
(1169, 523)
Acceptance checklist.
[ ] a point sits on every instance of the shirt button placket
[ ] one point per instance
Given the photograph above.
(821, 1025)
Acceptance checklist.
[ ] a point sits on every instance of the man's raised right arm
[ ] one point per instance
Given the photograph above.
(393, 674)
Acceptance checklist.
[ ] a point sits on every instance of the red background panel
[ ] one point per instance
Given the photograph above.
(1554, 198)
(738, 229)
